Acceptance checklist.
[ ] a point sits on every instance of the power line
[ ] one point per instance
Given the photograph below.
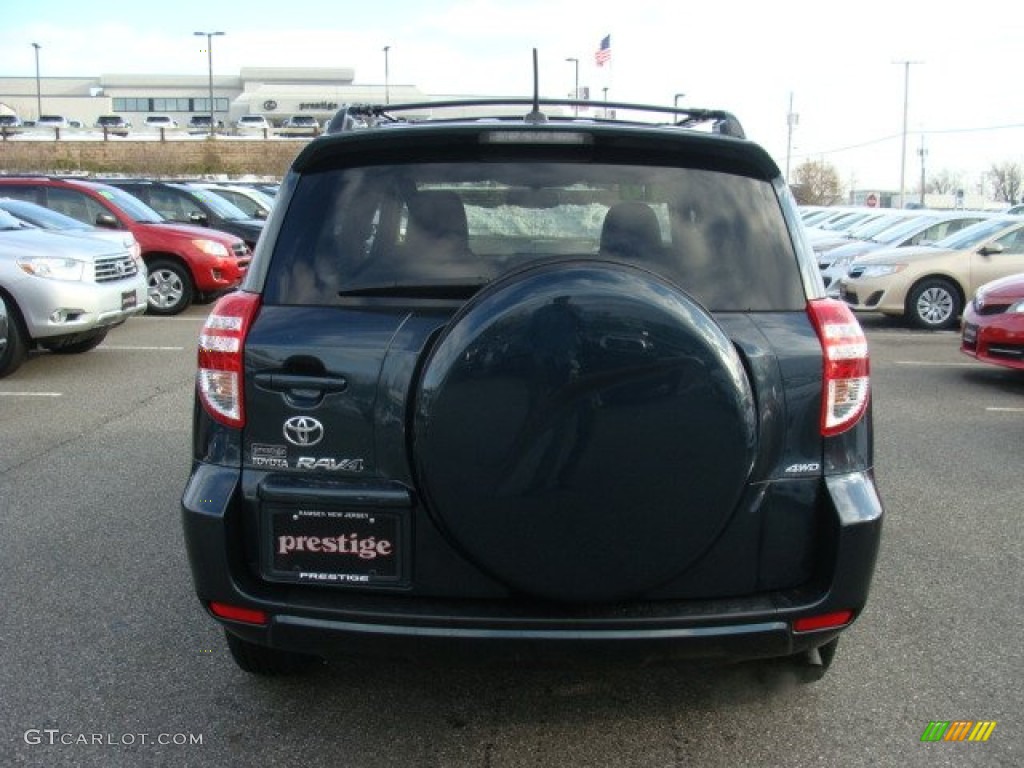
(892, 136)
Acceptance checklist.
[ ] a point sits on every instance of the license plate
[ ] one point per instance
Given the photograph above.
(128, 300)
(334, 547)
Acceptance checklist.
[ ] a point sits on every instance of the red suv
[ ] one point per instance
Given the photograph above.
(184, 261)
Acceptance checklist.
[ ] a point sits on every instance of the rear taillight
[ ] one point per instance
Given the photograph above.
(221, 344)
(845, 384)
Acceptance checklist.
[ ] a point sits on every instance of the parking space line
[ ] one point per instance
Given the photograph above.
(998, 409)
(126, 348)
(31, 394)
(926, 364)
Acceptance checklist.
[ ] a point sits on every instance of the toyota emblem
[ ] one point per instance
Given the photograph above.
(303, 430)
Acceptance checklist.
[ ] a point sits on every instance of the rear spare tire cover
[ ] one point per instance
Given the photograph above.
(583, 431)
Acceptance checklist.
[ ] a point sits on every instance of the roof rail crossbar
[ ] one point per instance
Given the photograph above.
(355, 116)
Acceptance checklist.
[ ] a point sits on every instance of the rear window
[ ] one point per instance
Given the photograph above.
(449, 228)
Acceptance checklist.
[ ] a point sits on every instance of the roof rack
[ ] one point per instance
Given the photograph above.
(358, 116)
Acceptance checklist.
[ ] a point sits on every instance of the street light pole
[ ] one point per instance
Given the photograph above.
(676, 98)
(39, 90)
(576, 92)
(903, 152)
(792, 118)
(209, 58)
(387, 79)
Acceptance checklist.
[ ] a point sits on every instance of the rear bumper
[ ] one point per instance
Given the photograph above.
(326, 621)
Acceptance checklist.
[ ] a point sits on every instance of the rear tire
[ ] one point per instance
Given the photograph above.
(934, 304)
(269, 662)
(170, 288)
(16, 349)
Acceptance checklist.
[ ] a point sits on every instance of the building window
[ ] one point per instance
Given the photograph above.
(165, 105)
(131, 105)
(203, 105)
(171, 105)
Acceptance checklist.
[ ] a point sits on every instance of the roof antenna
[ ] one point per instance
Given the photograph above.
(536, 116)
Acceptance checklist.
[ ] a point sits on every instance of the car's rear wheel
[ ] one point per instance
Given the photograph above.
(170, 287)
(934, 304)
(261, 660)
(15, 350)
(78, 345)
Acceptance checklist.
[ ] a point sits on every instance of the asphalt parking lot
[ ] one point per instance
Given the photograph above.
(108, 660)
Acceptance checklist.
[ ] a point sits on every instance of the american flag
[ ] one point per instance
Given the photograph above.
(604, 51)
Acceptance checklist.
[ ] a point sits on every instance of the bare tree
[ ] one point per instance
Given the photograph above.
(817, 183)
(945, 182)
(1007, 179)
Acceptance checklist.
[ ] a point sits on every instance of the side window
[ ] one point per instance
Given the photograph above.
(31, 194)
(247, 206)
(168, 205)
(955, 226)
(74, 204)
(1012, 242)
(934, 232)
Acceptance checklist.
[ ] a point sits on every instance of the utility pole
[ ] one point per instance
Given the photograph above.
(922, 153)
(576, 92)
(39, 89)
(387, 79)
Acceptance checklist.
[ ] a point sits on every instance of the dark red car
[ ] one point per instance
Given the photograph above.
(993, 326)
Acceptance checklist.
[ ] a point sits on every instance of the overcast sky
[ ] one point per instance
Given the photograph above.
(841, 62)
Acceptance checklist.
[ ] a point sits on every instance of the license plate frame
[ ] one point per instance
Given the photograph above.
(334, 547)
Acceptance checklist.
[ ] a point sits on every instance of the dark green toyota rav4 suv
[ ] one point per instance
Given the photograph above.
(528, 384)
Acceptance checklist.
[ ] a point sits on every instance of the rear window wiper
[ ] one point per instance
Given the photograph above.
(441, 290)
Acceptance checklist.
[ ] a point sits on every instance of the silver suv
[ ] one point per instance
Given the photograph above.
(63, 292)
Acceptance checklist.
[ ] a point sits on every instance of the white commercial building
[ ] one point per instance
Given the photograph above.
(274, 92)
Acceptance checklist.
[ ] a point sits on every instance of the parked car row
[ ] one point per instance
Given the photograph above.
(119, 125)
(80, 256)
(195, 243)
(921, 265)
